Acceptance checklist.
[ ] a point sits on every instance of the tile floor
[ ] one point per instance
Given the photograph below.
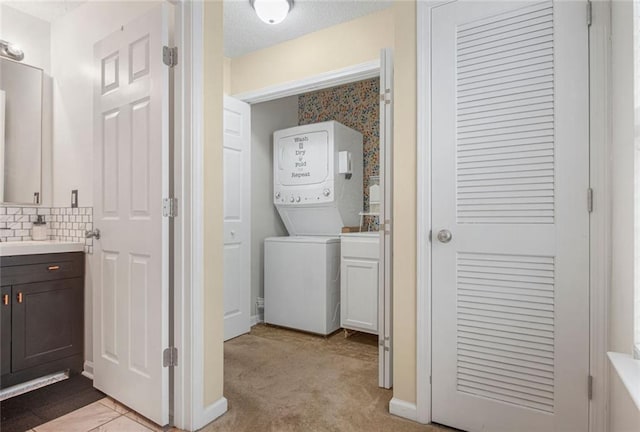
(106, 415)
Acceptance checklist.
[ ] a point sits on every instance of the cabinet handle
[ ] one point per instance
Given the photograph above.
(19, 297)
(5, 299)
(53, 268)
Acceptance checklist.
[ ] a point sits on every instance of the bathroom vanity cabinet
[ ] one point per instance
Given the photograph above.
(359, 281)
(42, 315)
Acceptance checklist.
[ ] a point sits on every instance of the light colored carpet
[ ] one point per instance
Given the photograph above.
(284, 381)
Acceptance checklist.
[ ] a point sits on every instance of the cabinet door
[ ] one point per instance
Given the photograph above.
(359, 295)
(47, 322)
(5, 330)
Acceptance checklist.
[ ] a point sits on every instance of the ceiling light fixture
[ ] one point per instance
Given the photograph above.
(272, 11)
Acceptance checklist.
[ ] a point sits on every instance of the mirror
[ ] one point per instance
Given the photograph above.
(20, 133)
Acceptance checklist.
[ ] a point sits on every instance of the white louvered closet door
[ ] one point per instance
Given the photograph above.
(510, 177)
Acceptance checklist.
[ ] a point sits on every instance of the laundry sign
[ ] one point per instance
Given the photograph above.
(303, 158)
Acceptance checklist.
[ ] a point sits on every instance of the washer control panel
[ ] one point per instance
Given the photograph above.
(309, 196)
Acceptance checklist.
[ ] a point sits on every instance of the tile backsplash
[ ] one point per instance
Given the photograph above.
(63, 223)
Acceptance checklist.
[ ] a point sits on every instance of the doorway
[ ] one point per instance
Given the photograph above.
(267, 221)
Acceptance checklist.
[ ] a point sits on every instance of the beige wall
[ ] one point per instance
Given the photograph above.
(404, 203)
(213, 244)
(347, 44)
(337, 47)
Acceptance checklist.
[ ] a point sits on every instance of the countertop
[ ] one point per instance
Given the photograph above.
(361, 234)
(38, 247)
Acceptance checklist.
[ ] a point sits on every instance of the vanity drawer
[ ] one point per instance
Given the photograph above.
(360, 247)
(45, 267)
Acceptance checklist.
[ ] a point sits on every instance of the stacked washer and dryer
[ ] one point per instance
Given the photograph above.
(317, 182)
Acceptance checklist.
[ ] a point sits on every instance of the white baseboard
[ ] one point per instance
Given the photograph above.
(212, 412)
(88, 370)
(403, 409)
(257, 319)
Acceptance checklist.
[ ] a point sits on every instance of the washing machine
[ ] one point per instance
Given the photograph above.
(302, 283)
(317, 182)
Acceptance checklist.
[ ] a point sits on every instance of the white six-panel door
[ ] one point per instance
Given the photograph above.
(237, 217)
(131, 148)
(510, 142)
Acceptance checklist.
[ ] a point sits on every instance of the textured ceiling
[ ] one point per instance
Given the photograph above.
(244, 32)
(48, 10)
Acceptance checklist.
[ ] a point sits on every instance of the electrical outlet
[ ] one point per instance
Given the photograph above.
(260, 303)
(74, 198)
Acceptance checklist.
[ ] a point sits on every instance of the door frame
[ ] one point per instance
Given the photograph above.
(324, 80)
(188, 326)
(349, 74)
(600, 236)
(184, 142)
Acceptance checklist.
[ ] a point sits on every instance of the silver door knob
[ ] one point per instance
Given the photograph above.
(95, 233)
(444, 236)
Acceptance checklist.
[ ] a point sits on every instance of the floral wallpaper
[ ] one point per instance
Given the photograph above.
(354, 105)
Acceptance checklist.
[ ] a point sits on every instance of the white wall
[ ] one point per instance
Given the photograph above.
(72, 66)
(72, 39)
(623, 414)
(33, 35)
(266, 118)
(29, 33)
(622, 160)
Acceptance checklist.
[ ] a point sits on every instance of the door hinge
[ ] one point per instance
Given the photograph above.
(170, 56)
(386, 97)
(590, 387)
(170, 207)
(170, 357)
(430, 236)
(590, 200)
(589, 14)
(385, 226)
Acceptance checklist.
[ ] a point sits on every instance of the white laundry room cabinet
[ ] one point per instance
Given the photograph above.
(359, 281)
